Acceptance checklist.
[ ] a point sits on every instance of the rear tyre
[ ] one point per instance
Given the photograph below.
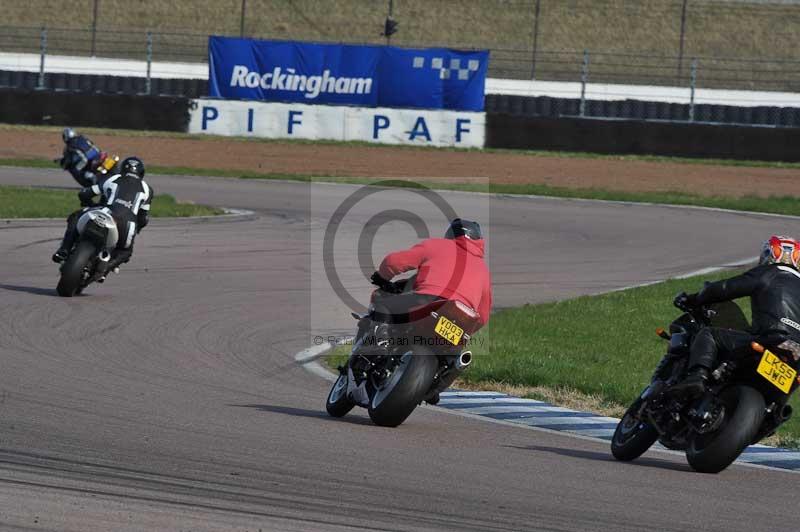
(633, 436)
(400, 394)
(338, 403)
(744, 414)
(72, 270)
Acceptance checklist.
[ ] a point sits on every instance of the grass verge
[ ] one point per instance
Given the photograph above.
(29, 202)
(591, 353)
(786, 205)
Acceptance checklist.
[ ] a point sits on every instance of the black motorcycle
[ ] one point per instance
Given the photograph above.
(746, 399)
(97, 235)
(393, 368)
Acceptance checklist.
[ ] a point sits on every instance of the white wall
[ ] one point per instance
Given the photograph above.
(651, 93)
(318, 122)
(557, 89)
(100, 65)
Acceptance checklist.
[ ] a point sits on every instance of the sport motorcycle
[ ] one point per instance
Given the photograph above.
(746, 398)
(395, 367)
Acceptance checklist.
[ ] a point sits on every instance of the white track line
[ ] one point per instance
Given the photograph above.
(308, 358)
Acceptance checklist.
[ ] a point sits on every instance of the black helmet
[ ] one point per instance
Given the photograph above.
(459, 227)
(132, 165)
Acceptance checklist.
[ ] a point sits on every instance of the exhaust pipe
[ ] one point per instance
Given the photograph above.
(464, 360)
(785, 413)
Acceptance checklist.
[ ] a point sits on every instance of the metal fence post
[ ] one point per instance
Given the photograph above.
(42, 52)
(389, 15)
(241, 20)
(584, 79)
(693, 82)
(94, 28)
(682, 39)
(535, 36)
(149, 60)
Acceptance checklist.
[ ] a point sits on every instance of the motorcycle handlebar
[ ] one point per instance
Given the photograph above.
(700, 313)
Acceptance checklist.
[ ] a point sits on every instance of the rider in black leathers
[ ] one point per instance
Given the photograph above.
(774, 290)
(127, 197)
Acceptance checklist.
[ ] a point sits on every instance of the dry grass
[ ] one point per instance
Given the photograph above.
(566, 27)
(565, 397)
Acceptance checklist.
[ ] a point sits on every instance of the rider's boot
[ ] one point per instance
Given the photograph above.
(693, 385)
(382, 337)
(70, 235)
(60, 255)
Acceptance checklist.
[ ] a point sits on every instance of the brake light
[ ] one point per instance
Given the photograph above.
(469, 311)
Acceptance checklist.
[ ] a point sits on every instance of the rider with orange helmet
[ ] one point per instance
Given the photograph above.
(774, 290)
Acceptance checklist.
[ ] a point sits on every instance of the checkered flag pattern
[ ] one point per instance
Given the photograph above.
(454, 68)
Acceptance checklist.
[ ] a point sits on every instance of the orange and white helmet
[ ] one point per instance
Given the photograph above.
(781, 250)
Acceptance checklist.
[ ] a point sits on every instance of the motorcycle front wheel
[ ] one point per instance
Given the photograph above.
(400, 393)
(745, 409)
(338, 403)
(633, 436)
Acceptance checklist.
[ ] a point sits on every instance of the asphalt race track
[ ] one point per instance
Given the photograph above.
(169, 398)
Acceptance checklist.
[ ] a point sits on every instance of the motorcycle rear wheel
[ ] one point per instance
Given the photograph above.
(399, 395)
(744, 414)
(72, 270)
(632, 437)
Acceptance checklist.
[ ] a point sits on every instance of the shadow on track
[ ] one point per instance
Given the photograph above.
(301, 412)
(606, 457)
(36, 290)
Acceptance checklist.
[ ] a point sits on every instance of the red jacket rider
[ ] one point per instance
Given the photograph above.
(451, 267)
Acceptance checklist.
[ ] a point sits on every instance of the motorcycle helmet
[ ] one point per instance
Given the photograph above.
(781, 250)
(68, 134)
(467, 228)
(132, 165)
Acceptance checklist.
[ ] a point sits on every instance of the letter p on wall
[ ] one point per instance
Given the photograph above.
(209, 114)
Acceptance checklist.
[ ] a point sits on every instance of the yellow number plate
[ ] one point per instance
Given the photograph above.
(777, 372)
(449, 330)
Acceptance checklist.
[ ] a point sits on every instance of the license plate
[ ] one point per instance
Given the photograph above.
(777, 372)
(109, 163)
(449, 330)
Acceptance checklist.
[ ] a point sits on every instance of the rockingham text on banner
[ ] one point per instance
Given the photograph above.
(339, 74)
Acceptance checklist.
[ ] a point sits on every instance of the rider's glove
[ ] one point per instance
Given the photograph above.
(378, 281)
(686, 301)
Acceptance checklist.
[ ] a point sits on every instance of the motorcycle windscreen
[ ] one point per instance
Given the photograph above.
(729, 315)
